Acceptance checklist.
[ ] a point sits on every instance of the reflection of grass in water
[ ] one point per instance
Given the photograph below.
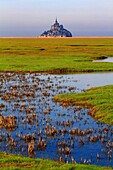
(99, 99)
(69, 54)
(8, 161)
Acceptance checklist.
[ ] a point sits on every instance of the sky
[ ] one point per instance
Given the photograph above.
(30, 18)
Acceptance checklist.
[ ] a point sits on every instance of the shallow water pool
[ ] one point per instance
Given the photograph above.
(31, 120)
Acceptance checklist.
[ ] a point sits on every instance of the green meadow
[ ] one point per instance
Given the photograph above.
(55, 55)
(17, 162)
(60, 55)
(100, 100)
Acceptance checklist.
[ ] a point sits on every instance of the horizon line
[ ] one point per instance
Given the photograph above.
(58, 37)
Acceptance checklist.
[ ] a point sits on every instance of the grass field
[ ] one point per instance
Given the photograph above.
(99, 99)
(23, 163)
(55, 55)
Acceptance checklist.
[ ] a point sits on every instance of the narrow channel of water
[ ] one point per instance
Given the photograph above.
(108, 59)
(38, 127)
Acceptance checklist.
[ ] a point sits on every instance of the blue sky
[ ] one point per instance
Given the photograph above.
(32, 17)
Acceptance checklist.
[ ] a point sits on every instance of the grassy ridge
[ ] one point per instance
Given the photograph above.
(99, 99)
(8, 161)
(55, 54)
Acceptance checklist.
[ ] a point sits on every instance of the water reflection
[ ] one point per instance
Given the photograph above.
(108, 59)
(32, 124)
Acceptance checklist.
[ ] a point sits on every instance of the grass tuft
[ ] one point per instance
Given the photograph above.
(99, 99)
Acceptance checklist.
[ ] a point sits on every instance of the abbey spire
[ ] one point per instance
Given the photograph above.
(56, 21)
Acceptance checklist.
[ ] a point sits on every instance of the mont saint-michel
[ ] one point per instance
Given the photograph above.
(56, 30)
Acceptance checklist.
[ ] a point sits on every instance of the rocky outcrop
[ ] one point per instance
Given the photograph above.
(56, 30)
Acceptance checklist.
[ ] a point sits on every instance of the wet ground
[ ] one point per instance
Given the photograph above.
(33, 125)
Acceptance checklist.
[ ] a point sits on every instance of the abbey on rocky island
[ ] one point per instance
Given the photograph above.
(56, 30)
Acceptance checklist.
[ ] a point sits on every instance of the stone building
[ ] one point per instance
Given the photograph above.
(56, 30)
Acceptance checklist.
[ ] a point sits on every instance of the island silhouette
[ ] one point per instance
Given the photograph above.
(56, 30)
